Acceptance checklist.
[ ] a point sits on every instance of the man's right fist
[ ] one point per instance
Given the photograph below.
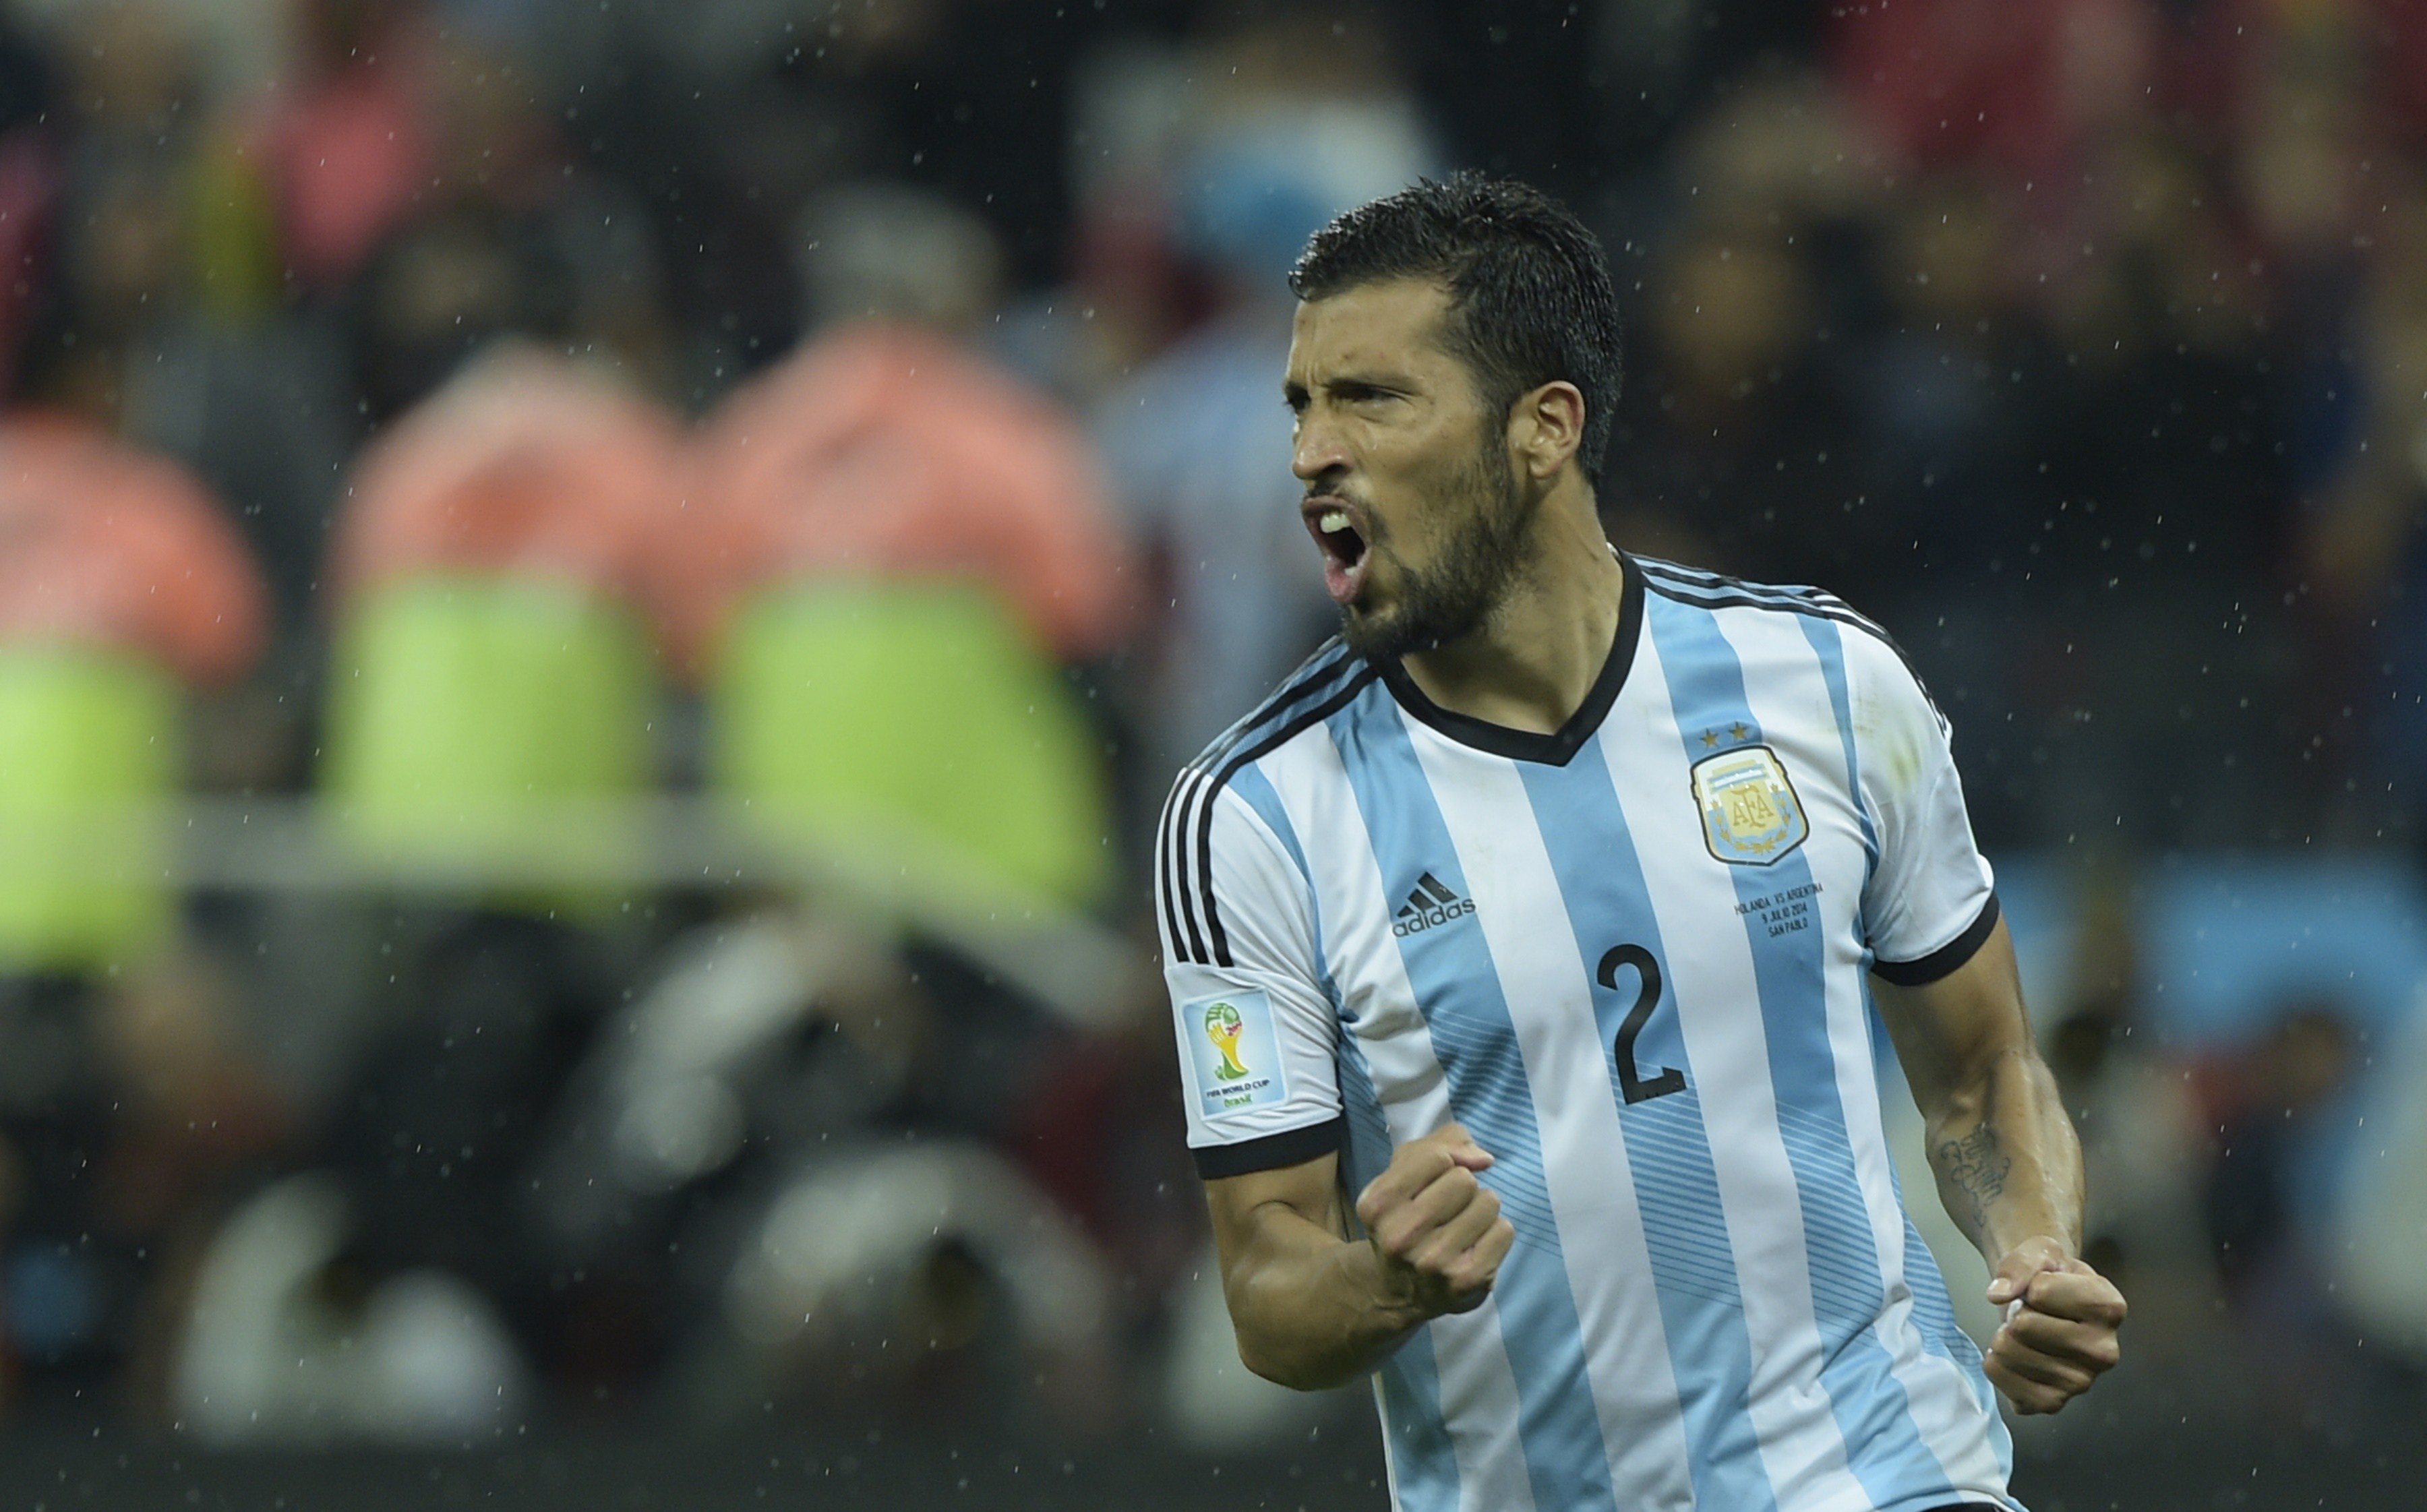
(1436, 1229)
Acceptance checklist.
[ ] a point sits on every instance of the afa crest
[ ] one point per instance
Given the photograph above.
(1750, 816)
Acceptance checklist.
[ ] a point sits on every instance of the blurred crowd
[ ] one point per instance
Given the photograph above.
(470, 422)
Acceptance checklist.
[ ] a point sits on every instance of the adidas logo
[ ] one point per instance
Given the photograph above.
(1431, 905)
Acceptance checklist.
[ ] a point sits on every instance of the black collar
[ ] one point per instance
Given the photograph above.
(1526, 745)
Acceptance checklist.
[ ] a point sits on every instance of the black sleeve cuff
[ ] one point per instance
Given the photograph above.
(1946, 960)
(1293, 1147)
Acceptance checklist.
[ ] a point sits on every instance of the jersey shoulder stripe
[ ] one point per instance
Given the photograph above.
(1316, 673)
(1698, 584)
(1327, 683)
(1717, 591)
(1179, 914)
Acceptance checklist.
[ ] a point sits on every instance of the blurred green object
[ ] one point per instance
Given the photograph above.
(914, 733)
(91, 752)
(477, 723)
(232, 234)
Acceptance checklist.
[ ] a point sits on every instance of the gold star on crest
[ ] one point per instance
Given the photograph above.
(1738, 731)
(1710, 738)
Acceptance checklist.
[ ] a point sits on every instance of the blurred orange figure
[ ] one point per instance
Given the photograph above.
(525, 466)
(492, 673)
(883, 451)
(886, 548)
(103, 546)
(119, 580)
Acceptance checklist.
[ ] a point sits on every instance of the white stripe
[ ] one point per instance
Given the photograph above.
(1478, 1387)
(1791, 693)
(1548, 988)
(1718, 1010)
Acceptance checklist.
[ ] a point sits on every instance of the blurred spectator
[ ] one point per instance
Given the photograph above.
(28, 183)
(937, 1248)
(2144, 1144)
(1730, 444)
(2267, 1209)
(495, 237)
(111, 549)
(288, 1347)
(119, 583)
(2371, 1250)
(886, 511)
(884, 448)
(131, 1107)
(851, 1099)
(157, 283)
(1302, 116)
(2261, 1104)
(1132, 287)
(2362, 551)
(349, 146)
(494, 684)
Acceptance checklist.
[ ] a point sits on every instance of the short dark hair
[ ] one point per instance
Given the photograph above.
(1530, 296)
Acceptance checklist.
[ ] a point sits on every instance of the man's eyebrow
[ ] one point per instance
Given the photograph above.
(1348, 386)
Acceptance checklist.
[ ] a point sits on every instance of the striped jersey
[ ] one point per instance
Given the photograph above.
(1630, 958)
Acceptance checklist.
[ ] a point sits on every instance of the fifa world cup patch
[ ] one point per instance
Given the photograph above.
(1750, 816)
(1237, 1056)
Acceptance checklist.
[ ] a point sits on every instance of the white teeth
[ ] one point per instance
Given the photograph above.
(1332, 520)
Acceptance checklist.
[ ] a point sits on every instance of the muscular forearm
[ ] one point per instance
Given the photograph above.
(1310, 1308)
(2007, 1163)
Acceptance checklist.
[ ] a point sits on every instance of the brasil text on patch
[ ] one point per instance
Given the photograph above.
(1236, 1055)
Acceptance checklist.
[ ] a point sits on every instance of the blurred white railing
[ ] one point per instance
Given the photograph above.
(1085, 970)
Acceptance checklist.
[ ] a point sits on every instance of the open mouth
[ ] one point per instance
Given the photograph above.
(1337, 528)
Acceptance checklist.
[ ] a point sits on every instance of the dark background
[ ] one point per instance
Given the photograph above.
(2082, 343)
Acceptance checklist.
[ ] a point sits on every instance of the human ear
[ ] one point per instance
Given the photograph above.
(1546, 427)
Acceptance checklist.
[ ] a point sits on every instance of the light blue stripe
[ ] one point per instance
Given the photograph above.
(1933, 1316)
(1933, 1311)
(1828, 643)
(1422, 1459)
(1257, 790)
(1669, 1151)
(1884, 1445)
(1458, 989)
(1367, 1151)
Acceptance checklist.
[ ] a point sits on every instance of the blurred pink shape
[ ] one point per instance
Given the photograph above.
(2014, 85)
(351, 159)
(885, 450)
(524, 465)
(105, 545)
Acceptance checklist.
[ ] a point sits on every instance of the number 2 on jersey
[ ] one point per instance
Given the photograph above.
(1638, 1087)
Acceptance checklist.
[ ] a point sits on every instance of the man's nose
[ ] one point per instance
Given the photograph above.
(1316, 450)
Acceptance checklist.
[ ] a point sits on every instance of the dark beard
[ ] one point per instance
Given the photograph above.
(1472, 576)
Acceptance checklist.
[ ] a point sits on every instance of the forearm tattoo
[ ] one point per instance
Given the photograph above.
(1975, 1166)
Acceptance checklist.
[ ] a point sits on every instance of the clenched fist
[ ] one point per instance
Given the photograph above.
(1436, 1229)
(2060, 1330)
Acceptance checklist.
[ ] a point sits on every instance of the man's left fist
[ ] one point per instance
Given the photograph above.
(2059, 1335)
